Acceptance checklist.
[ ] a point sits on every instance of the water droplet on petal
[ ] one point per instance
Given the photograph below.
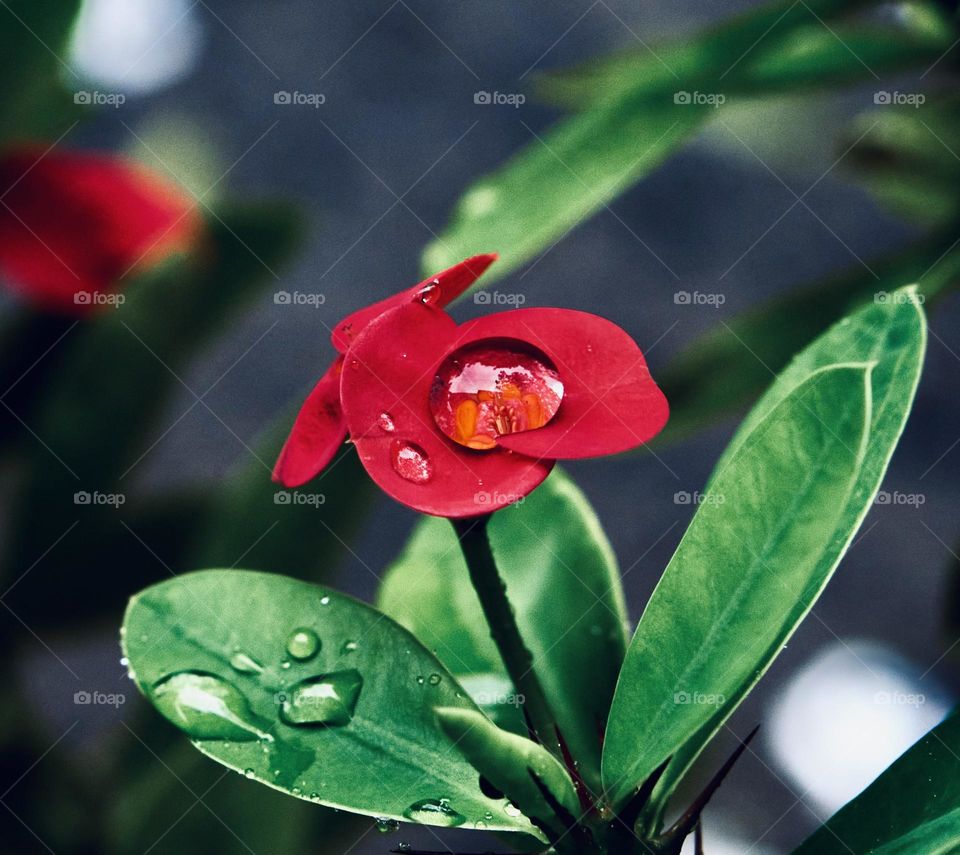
(303, 644)
(206, 707)
(510, 809)
(493, 388)
(434, 812)
(429, 294)
(328, 699)
(410, 461)
(245, 664)
(385, 423)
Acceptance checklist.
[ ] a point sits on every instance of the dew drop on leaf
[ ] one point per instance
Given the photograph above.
(410, 461)
(206, 707)
(435, 679)
(328, 699)
(245, 663)
(303, 644)
(349, 646)
(385, 825)
(434, 812)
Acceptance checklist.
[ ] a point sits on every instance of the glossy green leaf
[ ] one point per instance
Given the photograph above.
(563, 583)
(734, 362)
(506, 760)
(741, 580)
(913, 808)
(307, 691)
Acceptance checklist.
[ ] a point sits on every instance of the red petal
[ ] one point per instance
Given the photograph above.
(389, 370)
(75, 224)
(452, 283)
(317, 433)
(610, 401)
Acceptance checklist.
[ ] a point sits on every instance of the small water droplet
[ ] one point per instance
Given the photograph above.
(385, 422)
(324, 601)
(435, 679)
(429, 294)
(245, 663)
(349, 647)
(492, 388)
(303, 644)
(385, 825)
(421, 680)
(206, 707)
(248, 773)
(434, 812)
(510, 809)
(285, 664)
(410, 461)
(328, 699)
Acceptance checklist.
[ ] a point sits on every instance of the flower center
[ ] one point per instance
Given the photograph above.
(492, 388)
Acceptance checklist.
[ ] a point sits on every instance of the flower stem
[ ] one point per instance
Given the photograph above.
(492, 592)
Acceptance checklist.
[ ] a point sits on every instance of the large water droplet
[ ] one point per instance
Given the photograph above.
(385, 423)
(492, 388)
(245, 663)
(410, 461)
(303, 644)
(329, 699)
(206, 707)
(434, 812)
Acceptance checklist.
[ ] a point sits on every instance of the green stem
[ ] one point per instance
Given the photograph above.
(492, 592)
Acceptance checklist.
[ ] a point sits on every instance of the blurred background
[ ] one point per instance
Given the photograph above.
(326, 146)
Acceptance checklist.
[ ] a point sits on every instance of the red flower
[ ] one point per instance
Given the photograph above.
(73, 225)
(462, 420)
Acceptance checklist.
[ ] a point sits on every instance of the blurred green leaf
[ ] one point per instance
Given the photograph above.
(308, 691)
(728, 366)
(109, 379)
(564, 585)
(743, 577)
(33, 61)
(913, 808)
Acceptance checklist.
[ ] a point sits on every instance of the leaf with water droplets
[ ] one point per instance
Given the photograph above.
(235, 659)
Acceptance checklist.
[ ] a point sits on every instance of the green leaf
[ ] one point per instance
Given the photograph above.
(563, 583)
(506, 760)
(743, 577)
(731, 364)
(913, 808)
(307, 691)
(559, 179)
